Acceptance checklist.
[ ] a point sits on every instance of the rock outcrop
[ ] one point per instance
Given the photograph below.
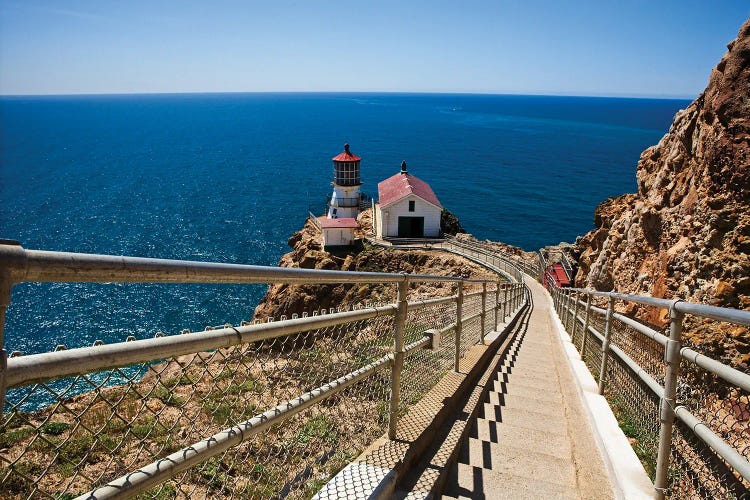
(686, 232)
(286, 300)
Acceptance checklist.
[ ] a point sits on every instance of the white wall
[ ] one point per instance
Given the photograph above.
(338, 236)
(388, 217)
(344, 192)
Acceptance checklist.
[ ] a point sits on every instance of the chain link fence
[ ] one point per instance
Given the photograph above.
(634, 386)
(62, 436)
(124, 418)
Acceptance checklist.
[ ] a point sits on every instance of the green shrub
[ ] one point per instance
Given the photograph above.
(55, 428)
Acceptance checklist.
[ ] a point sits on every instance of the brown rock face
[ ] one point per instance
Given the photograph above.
(285, 300)
(686, 233)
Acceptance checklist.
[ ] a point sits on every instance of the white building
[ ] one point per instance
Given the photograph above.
(406, 208)
(338, 232)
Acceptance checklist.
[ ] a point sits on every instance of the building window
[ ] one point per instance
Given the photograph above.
(411, 206)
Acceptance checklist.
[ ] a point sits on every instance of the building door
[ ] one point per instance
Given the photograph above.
(411, 227)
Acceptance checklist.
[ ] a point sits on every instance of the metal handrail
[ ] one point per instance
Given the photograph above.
(729, 315)
(34, 368)
(673, 353)
(159, 471)
(507, 259)
(21, 265)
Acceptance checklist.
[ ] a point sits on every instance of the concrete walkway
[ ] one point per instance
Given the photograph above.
(531, 438)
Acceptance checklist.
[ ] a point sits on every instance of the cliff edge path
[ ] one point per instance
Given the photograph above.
(531, 438)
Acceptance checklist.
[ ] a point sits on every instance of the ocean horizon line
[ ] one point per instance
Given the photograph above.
(665, 97)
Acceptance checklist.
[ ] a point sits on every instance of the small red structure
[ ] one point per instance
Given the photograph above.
(346, 222)
(555, 274)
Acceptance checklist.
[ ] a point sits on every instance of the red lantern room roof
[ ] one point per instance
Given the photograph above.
(346, 155)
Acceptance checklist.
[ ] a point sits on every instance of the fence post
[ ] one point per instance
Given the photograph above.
(575, 316)
(585, 327)
(459, 324)
(398, 357)
(666, 412)
(605, 344)
(505, 303)
(497, 303)
(483, 315)
(4, 303)
(571, 300)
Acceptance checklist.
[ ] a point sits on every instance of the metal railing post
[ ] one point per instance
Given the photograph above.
(398, 357)
(459, 324)
(569, 310)
(505, 303)
(4, 303)
(667, 404)
(585, 326)
(497, 304)
(605, 344)
(575, 317)
(483, 314)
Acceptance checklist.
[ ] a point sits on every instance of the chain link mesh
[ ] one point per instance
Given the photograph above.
(82, 441)
(62, 438)
(695, 471)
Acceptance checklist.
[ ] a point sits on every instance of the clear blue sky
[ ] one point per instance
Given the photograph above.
(591, 47)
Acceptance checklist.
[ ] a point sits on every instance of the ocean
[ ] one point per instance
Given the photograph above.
(229, 177)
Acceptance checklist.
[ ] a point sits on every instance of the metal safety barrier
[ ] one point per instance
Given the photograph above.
(687, 415)
(257, 410)
(486, 254)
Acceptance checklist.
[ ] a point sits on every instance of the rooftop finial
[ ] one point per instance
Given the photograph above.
(346, 147)
(403, 167)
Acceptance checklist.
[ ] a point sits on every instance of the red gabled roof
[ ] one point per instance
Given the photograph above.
(344, 222)
(346, 155)
(402, 184)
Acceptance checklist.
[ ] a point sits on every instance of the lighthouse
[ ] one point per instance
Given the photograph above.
(346, 181)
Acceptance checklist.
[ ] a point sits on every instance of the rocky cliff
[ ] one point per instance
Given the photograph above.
(285, 300)
(686, 232)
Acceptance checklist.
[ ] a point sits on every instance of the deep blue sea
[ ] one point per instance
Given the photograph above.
(229, 177)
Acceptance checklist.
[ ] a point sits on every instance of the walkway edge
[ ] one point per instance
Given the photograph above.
(628, 477)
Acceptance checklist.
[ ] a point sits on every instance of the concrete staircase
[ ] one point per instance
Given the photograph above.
(525, 442)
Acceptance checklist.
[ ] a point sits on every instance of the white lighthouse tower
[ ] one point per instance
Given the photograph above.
(346, 181)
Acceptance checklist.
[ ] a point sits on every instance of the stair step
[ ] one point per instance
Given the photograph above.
(525, 418)
(530, 403)
(504, 486)
(520, 384)
(557, 445)
(521, 389)
(521, 372)
(523, 462)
